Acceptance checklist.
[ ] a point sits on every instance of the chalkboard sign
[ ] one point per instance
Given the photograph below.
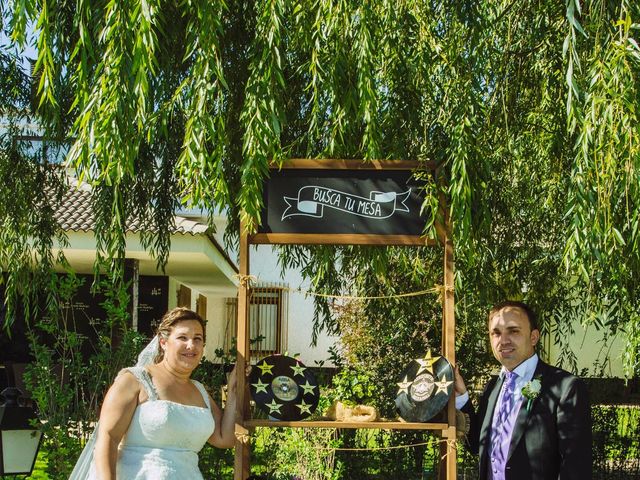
(85, 313)
(339, 201)
(14, 345)
(153, 301)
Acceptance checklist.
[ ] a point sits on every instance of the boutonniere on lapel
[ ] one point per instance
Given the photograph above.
(531, 390)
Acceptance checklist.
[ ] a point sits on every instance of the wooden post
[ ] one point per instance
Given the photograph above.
(242, 453)
(448, 464)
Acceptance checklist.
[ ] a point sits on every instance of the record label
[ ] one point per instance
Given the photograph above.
(284, 388)
(424, 388)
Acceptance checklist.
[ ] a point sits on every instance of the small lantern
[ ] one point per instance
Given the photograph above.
(19, 440)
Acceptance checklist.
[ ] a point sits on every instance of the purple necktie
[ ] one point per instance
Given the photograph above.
(502, 427)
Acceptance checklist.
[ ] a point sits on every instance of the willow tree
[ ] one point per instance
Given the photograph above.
(529, 109)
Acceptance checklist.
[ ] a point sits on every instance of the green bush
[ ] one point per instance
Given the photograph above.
(285, 453)
(616, 435)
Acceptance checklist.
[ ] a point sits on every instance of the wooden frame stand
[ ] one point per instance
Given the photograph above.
(243, 423)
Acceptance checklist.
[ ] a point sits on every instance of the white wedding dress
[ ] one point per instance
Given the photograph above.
(164, 437)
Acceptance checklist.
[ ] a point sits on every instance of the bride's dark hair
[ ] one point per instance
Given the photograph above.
(171, 319)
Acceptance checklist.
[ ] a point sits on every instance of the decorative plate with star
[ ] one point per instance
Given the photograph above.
(284, 388)
(424, 388)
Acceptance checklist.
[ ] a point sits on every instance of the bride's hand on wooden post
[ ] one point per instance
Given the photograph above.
(232, 382)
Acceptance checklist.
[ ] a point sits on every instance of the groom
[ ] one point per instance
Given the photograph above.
(533, 421)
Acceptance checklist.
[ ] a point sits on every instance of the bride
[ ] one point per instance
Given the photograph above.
(155, 419)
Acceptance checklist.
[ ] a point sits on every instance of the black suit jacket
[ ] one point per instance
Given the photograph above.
(551, 440)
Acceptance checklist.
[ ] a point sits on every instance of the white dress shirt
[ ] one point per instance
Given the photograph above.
(525, 373)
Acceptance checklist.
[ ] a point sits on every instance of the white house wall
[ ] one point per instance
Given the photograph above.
(194, 262)
(264, 265)
(215, 316)
(215, 325)
(593, 349)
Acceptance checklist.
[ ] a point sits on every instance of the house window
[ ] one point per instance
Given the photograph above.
(268, 308)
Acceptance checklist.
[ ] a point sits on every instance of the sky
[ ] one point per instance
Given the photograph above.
(29, 52)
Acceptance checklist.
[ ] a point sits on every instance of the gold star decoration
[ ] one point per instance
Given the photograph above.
(304, 407)
(404, 386)
(265, 368)
(426, 363)
(308, 388)
(442, 385)
(298, 369)
(260, 387)
(273, 406)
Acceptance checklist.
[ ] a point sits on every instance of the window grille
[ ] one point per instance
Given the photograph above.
(268, 314)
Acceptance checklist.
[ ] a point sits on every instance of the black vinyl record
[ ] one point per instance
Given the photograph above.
(284, 388)
(424, 388)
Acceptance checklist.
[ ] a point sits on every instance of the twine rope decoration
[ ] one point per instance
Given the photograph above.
(445, 289)
(442, 289)
(371, 449)
(367, 297)
(452, 443)
(247, 281)
(243, 437)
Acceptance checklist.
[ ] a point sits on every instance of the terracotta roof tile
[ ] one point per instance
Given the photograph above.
(74, 214)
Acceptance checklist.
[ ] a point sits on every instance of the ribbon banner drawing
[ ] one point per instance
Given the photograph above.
(312, 199)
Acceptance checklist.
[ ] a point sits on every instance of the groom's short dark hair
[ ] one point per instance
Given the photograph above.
(531, 315)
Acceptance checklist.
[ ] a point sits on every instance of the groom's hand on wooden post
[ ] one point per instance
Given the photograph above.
(458, 386)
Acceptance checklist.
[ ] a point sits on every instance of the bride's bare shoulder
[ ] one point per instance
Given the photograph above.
(126, 381)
